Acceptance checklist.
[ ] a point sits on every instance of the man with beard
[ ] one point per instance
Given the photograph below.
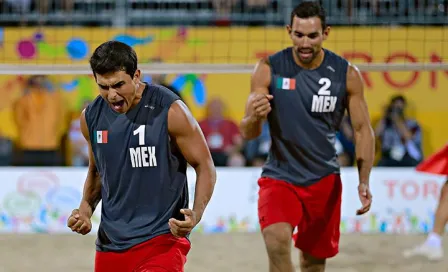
(303, 92)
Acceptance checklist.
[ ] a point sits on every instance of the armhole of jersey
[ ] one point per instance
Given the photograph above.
(88, 124)
(91, 136)
(167, 117)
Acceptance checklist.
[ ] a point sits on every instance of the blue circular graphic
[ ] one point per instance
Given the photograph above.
(77, 49)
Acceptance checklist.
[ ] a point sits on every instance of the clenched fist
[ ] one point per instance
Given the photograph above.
(79, 222)
(260, 106)
(183, 228)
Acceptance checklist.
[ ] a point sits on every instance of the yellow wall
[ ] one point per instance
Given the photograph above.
(426, 91)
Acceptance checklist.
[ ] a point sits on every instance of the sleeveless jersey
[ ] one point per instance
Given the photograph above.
(143, 175)
(307, 109)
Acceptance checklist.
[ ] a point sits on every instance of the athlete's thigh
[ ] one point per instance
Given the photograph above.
(167, 255)
(278, 202)
(318, 234)
(112, 262)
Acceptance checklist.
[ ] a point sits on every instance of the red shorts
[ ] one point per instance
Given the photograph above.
(315, 210)
(160, 254)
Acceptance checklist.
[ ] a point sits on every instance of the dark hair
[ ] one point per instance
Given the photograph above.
(113, 56)
(398, 98)
(309, 9)
(36, 80)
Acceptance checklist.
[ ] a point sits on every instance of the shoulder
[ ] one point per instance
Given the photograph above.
(263, 67)
(279, 56)
(335, 56)
(353, 72)
(180, 118)
(83, 124)
(93, 109)
(162, 95)
(94, 104)
(336, 60)
(354, 79)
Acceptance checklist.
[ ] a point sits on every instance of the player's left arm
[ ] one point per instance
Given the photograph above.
(184, 130)
(364, 136)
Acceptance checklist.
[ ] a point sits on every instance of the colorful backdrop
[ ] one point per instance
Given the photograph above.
(426, 91)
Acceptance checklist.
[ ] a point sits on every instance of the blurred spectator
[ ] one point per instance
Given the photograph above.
(39, 118)
(223, 9)
(21, 7)
(345, 147)
(257, 5)
(6, 148)
(399, 136)
(222, 135)
(43, 6)
(256, 150)
(80, 147)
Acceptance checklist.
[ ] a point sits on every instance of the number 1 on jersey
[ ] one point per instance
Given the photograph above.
(141, 134)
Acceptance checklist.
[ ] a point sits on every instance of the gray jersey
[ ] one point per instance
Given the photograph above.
(307, 109)
(143, 176)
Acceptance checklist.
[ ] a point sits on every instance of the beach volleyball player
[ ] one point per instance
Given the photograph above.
(141, 137)
(303, 92)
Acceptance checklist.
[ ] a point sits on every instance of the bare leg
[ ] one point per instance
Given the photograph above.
(432, 247)
(441, 216)
(309, 263)
(277, 238)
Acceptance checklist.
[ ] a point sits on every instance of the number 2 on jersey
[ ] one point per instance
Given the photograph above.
(323, 101)
(141, 134)
(324, 90)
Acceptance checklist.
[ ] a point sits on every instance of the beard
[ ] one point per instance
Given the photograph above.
(306, 55)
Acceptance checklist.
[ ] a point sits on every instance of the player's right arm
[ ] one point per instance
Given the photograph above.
(79, 220)
(258, 105)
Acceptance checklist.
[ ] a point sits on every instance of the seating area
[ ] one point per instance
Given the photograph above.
(220, 12)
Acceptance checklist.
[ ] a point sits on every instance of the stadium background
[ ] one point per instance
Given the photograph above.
(38, 200)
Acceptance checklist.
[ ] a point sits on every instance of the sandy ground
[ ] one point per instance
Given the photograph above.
(217, 253)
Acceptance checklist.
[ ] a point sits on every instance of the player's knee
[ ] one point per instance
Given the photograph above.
(277, 238)
(310, 263)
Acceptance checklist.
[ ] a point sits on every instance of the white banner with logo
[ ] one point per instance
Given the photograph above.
(36, 200)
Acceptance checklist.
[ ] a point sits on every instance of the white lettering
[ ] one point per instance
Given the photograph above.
(333, 101)
(326, 103)
(141, 134)
(317, 103)
(143, 156)
(324, 90)
(323, 103)
(152, 156)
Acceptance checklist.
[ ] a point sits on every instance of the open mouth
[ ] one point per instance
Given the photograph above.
(305, 54)
(118, 106)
